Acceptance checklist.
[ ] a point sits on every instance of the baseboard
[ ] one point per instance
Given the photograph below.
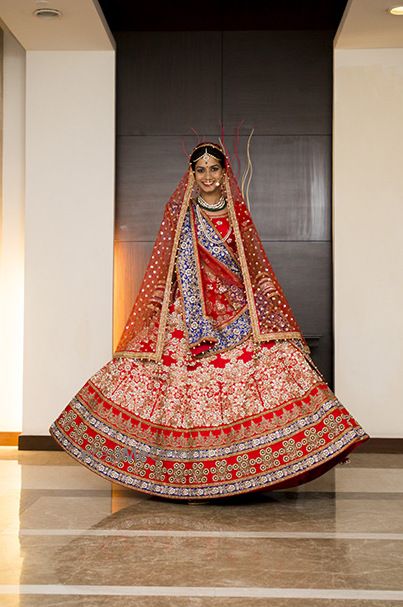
(373, 445)
(381, 445)
(37, 443)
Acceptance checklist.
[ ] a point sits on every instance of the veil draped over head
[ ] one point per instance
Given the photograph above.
(271, 317)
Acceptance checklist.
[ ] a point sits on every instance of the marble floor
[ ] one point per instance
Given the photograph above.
(70, 538)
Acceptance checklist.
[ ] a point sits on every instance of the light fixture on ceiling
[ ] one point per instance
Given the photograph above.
(396, 10)
(47, 13)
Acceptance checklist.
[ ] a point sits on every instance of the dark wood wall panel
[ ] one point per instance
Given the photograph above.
(168, 82)
(278, 82)
(130, 263)
(289, 193)
(291, 186)
(305, 273)
(149, 169)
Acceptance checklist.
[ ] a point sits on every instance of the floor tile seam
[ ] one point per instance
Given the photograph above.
(336, 494)
(331, 535)
(202, 591)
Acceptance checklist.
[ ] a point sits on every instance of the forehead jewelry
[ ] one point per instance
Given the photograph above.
(206, 154)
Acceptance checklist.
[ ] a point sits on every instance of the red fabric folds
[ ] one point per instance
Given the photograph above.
(271, 315)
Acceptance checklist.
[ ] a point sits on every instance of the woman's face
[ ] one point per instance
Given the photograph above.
(208, 175)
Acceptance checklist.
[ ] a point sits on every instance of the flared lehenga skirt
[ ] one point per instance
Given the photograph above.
(222, 425)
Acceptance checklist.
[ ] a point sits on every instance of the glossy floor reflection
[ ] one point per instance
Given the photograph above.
(71, 538)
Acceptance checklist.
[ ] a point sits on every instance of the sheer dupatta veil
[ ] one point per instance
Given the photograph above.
(271, 317)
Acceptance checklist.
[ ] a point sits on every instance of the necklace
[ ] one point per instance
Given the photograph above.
(216, 206)
(207, 235)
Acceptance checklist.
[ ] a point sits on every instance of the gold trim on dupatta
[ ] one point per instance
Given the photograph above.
(167, 294)
(157, 354)
(257, 334)
(242, 261)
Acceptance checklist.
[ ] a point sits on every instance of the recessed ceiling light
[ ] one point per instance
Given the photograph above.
(47, 13)
(396, 10)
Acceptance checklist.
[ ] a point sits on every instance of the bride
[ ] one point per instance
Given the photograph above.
(211, 391)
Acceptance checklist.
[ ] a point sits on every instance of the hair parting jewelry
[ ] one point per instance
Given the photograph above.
(205, 154)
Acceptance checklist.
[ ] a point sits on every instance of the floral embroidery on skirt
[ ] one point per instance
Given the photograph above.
(221, 425)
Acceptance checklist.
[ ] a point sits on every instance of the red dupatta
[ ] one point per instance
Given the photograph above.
(271, 317)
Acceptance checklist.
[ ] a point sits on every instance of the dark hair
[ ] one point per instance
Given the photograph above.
(212, 149)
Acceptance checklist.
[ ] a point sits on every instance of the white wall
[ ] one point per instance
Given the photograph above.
(12, 235)
(69, 218)
(368, 243)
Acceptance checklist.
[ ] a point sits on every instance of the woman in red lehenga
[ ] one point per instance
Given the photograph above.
(211, 391)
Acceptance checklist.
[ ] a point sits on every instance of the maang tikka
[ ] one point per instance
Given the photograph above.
(207, 155)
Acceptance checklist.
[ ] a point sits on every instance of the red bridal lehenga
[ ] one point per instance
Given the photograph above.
(211, 391)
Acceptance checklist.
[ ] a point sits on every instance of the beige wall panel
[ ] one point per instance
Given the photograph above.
(368, 245)
(12, 235)
(69, 220)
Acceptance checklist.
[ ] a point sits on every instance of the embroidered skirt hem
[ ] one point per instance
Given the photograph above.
(222, 425)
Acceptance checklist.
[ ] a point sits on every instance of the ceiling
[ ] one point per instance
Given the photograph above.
(127, 15)
(367, 24)
(82, 26)
(87, 24)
